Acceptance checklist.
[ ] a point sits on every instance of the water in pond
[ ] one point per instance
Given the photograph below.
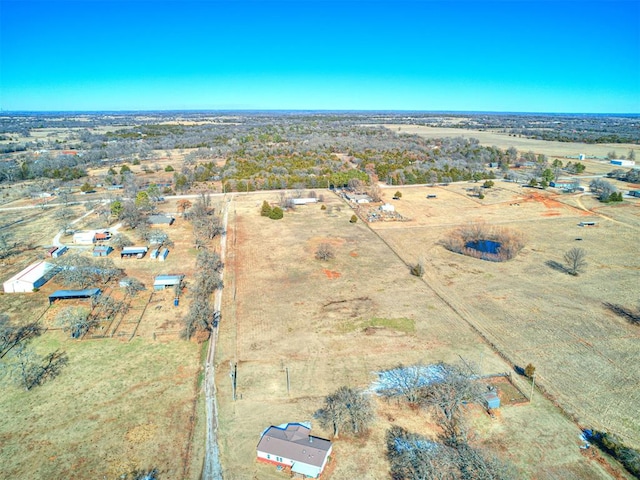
(485, 246)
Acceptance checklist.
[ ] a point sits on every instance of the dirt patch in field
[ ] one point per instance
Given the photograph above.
(547, 200)
(331, 274)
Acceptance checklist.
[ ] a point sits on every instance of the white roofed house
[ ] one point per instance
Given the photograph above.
(290, 445)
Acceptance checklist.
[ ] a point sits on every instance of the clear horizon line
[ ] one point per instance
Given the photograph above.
(308, 110)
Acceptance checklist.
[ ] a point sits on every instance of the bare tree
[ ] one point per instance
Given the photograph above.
(133, 287)
(414, 457)
(120, 240)
(575, 260)
(325, 251)
(12, 335)
(7, 243)
(348, 410)
(30, 370)
(75, 320)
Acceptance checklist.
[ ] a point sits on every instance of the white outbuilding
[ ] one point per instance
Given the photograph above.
(34, 276)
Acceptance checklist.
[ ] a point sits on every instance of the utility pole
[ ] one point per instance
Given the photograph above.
(533, 382)
(288, 383)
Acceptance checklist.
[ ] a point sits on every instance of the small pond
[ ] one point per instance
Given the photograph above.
(485, 246)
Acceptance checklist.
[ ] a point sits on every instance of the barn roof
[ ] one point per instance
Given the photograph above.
(33, 272)
(86, 293)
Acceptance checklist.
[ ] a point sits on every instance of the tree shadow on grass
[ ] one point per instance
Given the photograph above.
(558, 267)
(626, 313)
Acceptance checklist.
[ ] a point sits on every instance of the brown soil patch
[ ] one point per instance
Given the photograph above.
(546, 200)
(551, 214)
(331, 274)
(353, 254)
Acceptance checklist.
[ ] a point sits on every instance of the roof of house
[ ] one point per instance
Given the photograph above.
(89, 292)
(292, 441)
(160, 219)
(102, 248)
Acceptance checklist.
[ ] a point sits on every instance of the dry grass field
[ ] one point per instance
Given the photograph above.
(116, 406)
(586, 357)
(336, 323)
(504, 141)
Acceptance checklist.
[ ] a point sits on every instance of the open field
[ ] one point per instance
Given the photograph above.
(285, 310)
(116, 406)
(585, 357)
(504, 141)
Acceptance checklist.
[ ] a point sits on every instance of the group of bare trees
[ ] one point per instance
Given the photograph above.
(443, 390)
(206, 223)
(19, 360)
(347, 410)
(201, 313)
(79, 271)
(478, 239)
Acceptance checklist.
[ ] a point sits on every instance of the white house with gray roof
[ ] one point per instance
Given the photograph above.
(290, 445)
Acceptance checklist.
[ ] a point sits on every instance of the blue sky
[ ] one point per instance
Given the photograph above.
(526, 56)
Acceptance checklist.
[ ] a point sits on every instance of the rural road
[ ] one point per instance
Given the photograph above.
(212, 469)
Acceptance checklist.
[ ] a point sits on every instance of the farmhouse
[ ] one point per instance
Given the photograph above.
(563, 184)
(358, 197)
(102, 251)
(70, 294)
(87, 237)
(34, 276)
(137, 252)
(290, 445)
(166, 281)
(160, 220)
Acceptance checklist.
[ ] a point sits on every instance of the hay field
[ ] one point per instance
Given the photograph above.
(504, 141)
(116, 406)
(585, 357)
(282, 309)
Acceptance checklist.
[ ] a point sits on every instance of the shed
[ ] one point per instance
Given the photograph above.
(166, 281)
(160, 220)
(34, 276)
(50, 251)
(102, 251)
(154, 253)
(162, 256)
(290, 445)
(623, 163)
(138, 252)
(60, 251)
(491, 399)
(70, 294)
(86, 237)
(634, 193)
(304, 201)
